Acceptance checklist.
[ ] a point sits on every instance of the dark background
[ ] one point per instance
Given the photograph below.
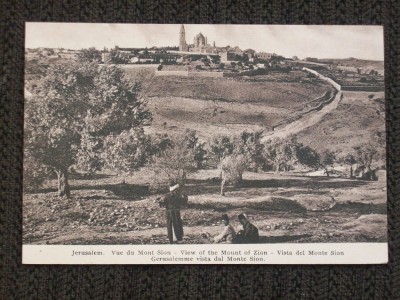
(19, 281)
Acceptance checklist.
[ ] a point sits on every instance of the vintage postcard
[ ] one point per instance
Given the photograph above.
(204, 144)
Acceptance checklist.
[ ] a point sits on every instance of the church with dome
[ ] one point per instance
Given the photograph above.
(200, 44)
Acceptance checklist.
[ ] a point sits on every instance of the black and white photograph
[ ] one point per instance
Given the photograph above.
(174, 137)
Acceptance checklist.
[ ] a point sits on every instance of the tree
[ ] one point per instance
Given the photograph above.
(349, 159)
(89, 55)
(232, 168)
(34, 172)
(249, 145)
(50, 51)
(75, 104)
(307, 156)
(243, 152)
(327, 158)
(281, 152)
(117, 57)
(125, 152)
(365, 155)
(88, 154)
(277, 58)
(220, 146)
(175, 157)
(159, 143)
(191, 141)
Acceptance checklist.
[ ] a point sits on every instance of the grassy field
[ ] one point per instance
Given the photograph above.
(285, 208)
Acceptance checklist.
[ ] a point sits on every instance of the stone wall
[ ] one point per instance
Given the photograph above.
(171, 73)
(368, 88)
(327, 79)
(191, 74)
(376, 88)
(206, 74)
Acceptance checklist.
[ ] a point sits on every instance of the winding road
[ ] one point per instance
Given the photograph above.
(305, 121)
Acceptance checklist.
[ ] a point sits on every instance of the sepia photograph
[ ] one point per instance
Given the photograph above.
(223, 137)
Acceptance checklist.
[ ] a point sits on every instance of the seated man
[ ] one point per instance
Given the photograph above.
(249, 234)
(228, 235)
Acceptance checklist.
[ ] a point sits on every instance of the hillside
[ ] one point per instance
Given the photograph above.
(357, 119)
(226, 105)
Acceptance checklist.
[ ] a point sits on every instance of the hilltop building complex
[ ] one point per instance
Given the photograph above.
(228, 53)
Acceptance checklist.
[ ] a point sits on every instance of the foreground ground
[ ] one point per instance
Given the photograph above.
(285, 208)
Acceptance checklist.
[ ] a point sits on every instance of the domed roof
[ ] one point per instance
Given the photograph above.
(199, 35)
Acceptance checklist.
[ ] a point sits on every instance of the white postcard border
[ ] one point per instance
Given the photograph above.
(313, 253)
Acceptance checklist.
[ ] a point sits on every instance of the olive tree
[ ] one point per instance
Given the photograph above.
(236, 155)
(281, 152)
(176, 156)
(327, 159)
(220, 146)
(232, 167)
(75, 108)
(249, 145)
(348, 159)
(366, 155)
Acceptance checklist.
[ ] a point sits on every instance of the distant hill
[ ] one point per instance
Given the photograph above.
(358, 63)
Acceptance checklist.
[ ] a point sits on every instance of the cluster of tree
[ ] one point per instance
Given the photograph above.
(93, 55)
(89, 55)
(245, 152)
(117, 57)
(88, 117)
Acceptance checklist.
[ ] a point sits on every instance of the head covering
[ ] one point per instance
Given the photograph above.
(242, 216)
(173, 185)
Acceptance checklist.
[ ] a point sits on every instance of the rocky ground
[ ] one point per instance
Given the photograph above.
(285, 208)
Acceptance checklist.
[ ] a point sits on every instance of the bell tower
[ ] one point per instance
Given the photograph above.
(182, 40)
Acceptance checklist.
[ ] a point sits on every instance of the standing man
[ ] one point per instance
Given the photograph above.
(249, 234)
(173, 202)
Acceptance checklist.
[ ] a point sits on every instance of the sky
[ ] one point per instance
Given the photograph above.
(320, 41)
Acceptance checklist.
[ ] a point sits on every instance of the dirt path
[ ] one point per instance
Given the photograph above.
(306, 121)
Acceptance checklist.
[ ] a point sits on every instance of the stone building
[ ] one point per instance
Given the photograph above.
(201, 45)
(183, 47)
(264, 55)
